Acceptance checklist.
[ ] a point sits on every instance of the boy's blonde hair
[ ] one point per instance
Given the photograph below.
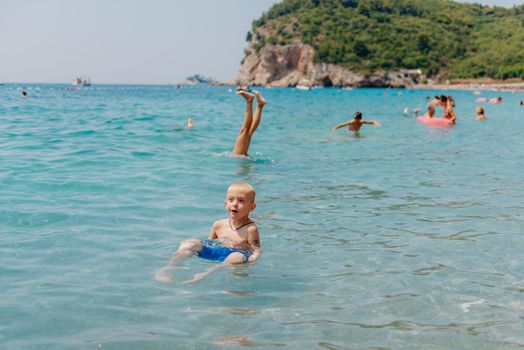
(480, 110)
(245, 186)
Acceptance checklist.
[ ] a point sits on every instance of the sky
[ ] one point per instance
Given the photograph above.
(129, 41)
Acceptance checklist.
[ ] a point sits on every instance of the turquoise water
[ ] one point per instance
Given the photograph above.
(405, 237)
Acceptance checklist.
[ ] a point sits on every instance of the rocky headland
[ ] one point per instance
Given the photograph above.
(293, 65)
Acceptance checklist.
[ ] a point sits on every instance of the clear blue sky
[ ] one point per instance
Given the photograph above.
(128, 41)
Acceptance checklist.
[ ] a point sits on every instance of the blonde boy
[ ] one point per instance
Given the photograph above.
(233, 240)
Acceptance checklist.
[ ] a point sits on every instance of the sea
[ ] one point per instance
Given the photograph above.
(400, 237)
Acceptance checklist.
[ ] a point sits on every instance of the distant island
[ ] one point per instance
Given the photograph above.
(397, 43)
(198, 79)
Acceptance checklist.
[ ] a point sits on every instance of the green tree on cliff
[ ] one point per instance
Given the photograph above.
(440, 37)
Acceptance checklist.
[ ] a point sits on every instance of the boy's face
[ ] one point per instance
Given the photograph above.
(239, 202)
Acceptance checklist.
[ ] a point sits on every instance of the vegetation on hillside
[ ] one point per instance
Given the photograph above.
(440, 37)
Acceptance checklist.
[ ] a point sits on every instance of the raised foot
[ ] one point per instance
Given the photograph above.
(260, 100)
(249, 97)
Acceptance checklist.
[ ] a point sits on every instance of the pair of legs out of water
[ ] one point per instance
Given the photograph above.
(251, 120)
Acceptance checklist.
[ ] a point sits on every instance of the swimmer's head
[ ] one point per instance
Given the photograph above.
(240, 200)
(243, 188)
(357, 116)
(480, 110)
(441, 98)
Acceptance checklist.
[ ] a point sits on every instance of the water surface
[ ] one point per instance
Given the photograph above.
(404, 237)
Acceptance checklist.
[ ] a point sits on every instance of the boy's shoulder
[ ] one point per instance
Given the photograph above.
(252, 229)
(220, 223)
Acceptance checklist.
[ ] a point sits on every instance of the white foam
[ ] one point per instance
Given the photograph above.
(465, 306)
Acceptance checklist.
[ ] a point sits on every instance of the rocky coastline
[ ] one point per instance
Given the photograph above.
(293, 66)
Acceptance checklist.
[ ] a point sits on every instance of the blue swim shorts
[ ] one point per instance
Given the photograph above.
(214, 250)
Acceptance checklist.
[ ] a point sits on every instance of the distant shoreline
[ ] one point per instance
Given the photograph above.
(463, 84)
(454, 85)
(473, 85)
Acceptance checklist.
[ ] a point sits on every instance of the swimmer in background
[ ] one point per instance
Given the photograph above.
(441, 101)
(356, 123)
(521, 103)
(495, 100)
(449, 112)
(189, 125)
(234, 240)
(447, 103)
(24, 94)
(430, 113)
(480, 113)
(251, 121)
(438, 101)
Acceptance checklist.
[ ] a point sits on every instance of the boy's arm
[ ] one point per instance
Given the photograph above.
(342, 125)
(254, 240)
(213, 232)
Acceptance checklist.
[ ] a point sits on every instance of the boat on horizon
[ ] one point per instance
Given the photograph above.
(82, 81)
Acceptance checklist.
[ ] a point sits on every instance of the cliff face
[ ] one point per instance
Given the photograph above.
(292, 65)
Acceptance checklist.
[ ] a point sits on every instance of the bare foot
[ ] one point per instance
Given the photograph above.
(196, 278)
(200, 276)
(249, 97)
(260, 100)
(165, 275)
